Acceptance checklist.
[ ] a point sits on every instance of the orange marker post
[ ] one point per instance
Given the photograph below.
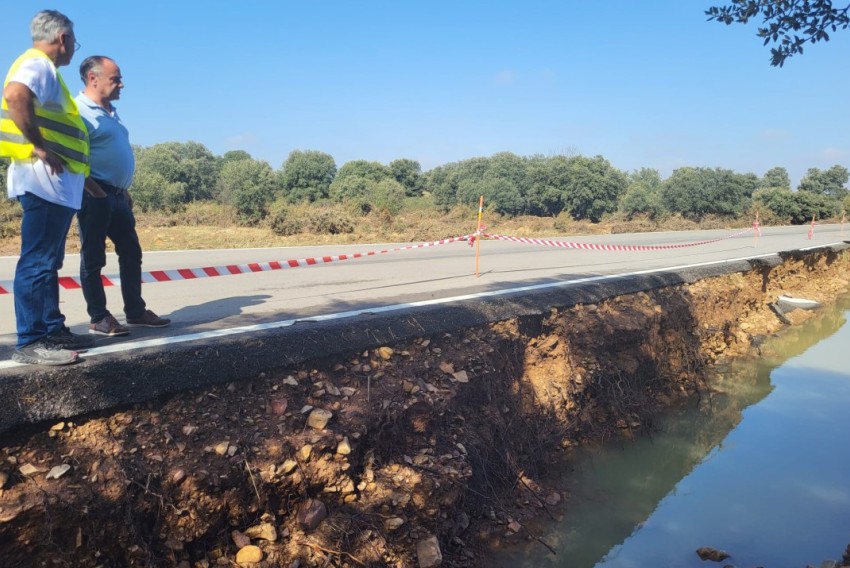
(478, 235)
(812, 228)
(843, 219)
(756, 230)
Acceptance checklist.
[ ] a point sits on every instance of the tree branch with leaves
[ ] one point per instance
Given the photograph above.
(788, 23)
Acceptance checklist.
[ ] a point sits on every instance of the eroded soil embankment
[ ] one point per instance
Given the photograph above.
(442, 438)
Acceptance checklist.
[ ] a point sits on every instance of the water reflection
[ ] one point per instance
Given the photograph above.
(757, 468)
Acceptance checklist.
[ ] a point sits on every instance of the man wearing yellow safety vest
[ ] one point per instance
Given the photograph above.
(42, 132)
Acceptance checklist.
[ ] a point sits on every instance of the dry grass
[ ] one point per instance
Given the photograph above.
(212, 226)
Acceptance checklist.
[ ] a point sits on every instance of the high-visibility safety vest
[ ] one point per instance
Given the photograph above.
(61, 126)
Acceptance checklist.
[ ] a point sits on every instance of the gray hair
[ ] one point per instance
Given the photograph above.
(91, 64)
(48, 24)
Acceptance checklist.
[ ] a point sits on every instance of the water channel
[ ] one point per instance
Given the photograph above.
(759, 468)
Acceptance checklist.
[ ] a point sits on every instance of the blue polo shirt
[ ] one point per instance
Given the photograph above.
(111, 157)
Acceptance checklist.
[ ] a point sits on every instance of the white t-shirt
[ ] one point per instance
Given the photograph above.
(32, 176)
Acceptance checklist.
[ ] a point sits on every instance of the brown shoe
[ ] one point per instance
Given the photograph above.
(108, 326)
(148, 319)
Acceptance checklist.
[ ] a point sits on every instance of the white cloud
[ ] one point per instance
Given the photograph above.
(505, 77)
(774, 134)
(245, 139)
(834, 154)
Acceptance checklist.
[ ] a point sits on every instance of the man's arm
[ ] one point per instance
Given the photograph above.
(21, 103)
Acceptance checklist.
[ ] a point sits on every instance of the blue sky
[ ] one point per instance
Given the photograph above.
(643, 83)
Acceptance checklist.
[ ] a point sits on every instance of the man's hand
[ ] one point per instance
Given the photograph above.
(54, 163)
(21, 103)
(93, 189)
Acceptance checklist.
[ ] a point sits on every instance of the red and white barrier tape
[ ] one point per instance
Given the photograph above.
(73, 282)
(608, 248)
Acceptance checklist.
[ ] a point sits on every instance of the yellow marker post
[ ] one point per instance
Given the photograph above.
(478, 235)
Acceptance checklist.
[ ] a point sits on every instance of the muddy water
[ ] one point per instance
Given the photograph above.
(759, 469)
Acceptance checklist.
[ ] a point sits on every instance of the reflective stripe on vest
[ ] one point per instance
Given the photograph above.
(64, 131)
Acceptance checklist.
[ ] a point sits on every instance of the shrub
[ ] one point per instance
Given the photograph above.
(635, 223)
(642, 201)
(329, 220)
(283, 220)
(152, 192)
(350, 188)
(324, 219)
(387, 196)
(249, 186)
(208, 213)
(10, 218)
(563, 222)
(677, 222)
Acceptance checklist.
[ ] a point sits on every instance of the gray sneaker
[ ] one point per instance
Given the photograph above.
(44, 353)
(108, 326)
(64, 339)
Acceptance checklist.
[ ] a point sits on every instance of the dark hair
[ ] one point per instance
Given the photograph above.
(91, 63)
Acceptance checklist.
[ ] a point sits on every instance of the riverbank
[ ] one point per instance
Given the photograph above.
(437, 441)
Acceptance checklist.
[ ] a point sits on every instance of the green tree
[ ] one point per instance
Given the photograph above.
(511, 168)
(374, 171)
(249, 186)
(831, 182)
(696, 192)
(152, 192)
(643, 195)
(789, 23)
(649, 177)
(781, 201)
(776, 177)
(593, 188)
(388, 196)
(190, 164)
(443, 181)
(351, 188)
(547, 178)
(235, 155)
(409, 174)
(500, 194)
(814, 205)
(307, 175)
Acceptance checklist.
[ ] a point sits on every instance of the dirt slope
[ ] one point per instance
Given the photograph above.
(439, 440)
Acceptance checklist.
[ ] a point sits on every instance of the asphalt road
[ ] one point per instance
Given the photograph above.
(231, 305)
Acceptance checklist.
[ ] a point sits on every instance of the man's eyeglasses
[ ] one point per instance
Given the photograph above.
(77, 44)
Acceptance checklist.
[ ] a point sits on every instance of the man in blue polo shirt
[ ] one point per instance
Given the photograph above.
(112, 168)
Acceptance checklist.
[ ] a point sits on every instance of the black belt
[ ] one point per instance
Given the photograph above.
(110, 189)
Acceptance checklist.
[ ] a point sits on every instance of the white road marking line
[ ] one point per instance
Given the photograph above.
(241, 330)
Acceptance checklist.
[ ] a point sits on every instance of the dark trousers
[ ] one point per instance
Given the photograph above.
(43, 230)
(112, 217)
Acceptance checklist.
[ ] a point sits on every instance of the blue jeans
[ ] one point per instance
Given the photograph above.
(112, 217)
(44, 228)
